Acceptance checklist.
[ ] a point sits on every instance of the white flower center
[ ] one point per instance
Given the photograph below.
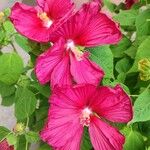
(47, 22)
(85, 116)
(78, 53)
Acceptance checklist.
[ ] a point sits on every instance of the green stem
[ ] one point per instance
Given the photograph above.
(27, 124)
(134, 95)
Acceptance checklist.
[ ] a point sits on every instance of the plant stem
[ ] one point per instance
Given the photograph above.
(26, 128)
(134, 95)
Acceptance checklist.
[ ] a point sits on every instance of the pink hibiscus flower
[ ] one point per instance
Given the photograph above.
(4, 146)
(73, 108)
(38, 23)
(66, 61)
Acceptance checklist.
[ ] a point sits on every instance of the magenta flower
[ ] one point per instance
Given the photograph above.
(66, 61)
(38, 23)
(4, 146)
(73, 108)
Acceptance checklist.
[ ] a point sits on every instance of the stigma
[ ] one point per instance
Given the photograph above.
(47, 22)
(77, 52)
(85, 118)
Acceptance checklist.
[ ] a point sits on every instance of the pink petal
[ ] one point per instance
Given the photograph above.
(61, 74)
(27, 22)
(89, 27)
(73, 97)
(105, 137)
(85, 71)
(5, 146)
(74, 143)
(113, 104)
(47, 61)
(58, 8)
(63, 125)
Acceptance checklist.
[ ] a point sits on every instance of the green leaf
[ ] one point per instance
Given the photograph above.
(142, 52)
(104, 58)
(21, 143)
(143, 23)
(3, 132)
(11, 66)
(134, 141)
(8, 101)
(119, 49)
(142, 107)
(25, 103)
(126, 17)
(32, 137)
(123, 65)
(43, 89)
(86, 143)
(12, 139)
(22, 42)
(8, 27)
(131, 51)
(45, 147)
(6, 90)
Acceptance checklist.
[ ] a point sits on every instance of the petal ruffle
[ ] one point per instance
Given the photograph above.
(112, 104)
(63, 124)
(59, 8)
(85, 71)
(76, 97)
(61, 75)
(105, 137)
(89, 27)
(48, 60)
(26, 21)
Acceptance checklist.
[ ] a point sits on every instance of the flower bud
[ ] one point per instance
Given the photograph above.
(144, 69)
(1, 16)
(19, 128)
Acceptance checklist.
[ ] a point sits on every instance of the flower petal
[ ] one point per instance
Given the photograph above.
(58, 8)
(61, 75)
(74, 143)
(89, 27)
(5, 146)
(85, 71)
(74, 97)
(105, 137)
(112, 104)
(61, 121)
(48, 60)
(26, 21)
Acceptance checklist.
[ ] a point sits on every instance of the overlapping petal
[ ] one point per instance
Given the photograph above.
(27, 22)
(85, 71)
(89, 27)
(112, 104)
(105, 137)
(58, 131)
(48, 60)
(61, 74)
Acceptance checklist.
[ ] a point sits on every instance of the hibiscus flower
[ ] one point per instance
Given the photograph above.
(66, 61)
(73, 108)
(4, 146)
(39, 22)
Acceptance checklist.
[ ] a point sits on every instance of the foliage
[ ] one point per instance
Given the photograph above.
(19, 86)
